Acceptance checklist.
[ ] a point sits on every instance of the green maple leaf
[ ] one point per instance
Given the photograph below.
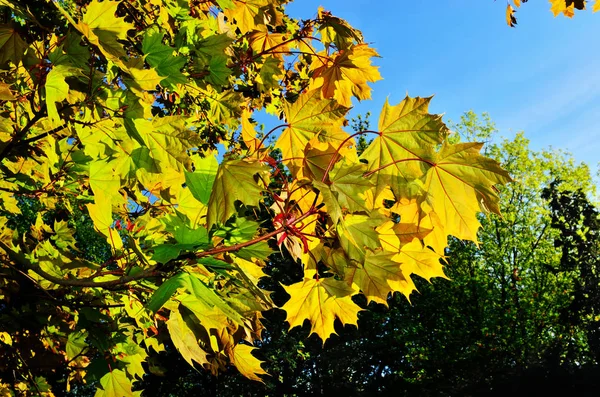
(12, 46)
(348, 181)
(260, 250)
(238, 231)
(57, 89)
(407, 132)
(357, 233)
(235, 181)
(219, 72)
(76, 344)
(185, 231)
(166, 252)
(71, 52)
(270, 73)
(214, 45)
(160, 57)
(114, 384)
(200, 182)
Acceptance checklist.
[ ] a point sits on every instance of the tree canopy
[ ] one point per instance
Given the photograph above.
(128, 127)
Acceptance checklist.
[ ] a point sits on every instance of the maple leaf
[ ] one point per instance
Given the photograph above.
(185, 340)
(459, 184)
(316, 159)
(114, 384)
(336, 31)
(246, 363)
(511, 20)
(378, 276)
(168, 141)
(234, 181)
(321, 302)
(161, 57)
(345, 75)
(12, 46)
(420, 260)
(249, 132)
(246, 13)
(270, 74)
(100, 26)
(200, 182)
(393, 235)
(357, 233)
(57, 89)
(348, 182)
(406, 133)
(310, 116)
(261, 41)
(566, 7)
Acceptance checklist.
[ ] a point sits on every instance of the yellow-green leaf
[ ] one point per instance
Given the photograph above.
(114, 384)
(236, 180)
(246, 363)
(460, 184)
(321, 302)
(185, 340)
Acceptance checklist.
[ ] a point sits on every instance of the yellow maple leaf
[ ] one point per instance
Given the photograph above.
(346, 74)
(310, 117)
(418, 213)
(248, 132)
(100, 26)
(185, 340)
(246, 14)
(406, 133)
(510, 16)
(394, 235)
(246, 363)
(262, 41)
(459, 184)
(420, 260)
(569, 11)
(596, 6)
(101, 214)
(562, 7)
(379, 275)
(321, 302)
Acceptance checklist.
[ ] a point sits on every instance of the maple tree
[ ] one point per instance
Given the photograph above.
(136, 118)
(558, 7)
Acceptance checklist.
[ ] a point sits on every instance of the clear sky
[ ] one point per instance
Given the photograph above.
(542, 77)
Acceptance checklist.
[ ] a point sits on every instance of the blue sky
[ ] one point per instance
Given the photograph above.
(542, 77)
